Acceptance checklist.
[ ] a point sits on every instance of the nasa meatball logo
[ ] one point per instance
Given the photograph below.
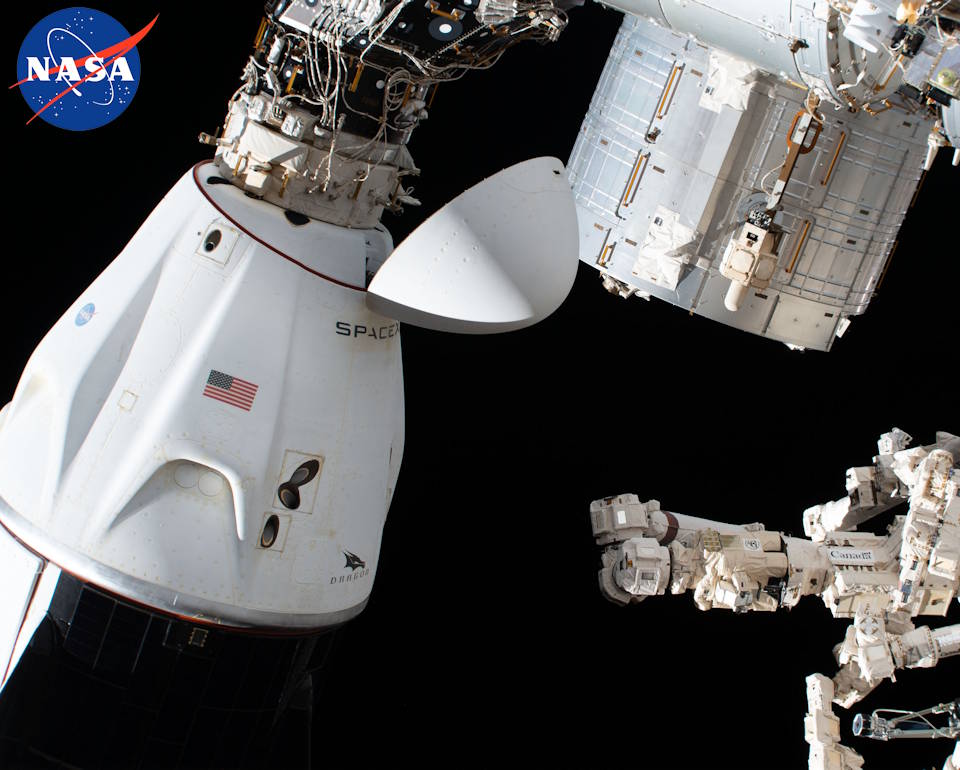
(85, 314)
(79, 68)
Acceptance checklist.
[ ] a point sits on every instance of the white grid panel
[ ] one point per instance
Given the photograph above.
(840, 212)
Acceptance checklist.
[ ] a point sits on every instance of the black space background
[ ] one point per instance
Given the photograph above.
(486, 641)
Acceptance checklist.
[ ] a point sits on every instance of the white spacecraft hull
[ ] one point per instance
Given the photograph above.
(224, 348)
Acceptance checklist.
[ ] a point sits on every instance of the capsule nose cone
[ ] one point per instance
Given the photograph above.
(501, 256)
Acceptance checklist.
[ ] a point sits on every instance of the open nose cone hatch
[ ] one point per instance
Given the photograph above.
(500, 256)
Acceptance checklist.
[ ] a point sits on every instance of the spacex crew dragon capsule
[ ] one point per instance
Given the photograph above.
(204, 447)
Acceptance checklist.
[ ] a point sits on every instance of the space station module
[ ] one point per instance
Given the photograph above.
(752, 162)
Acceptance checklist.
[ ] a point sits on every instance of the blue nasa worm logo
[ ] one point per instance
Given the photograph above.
(85, 314)
(79, 68)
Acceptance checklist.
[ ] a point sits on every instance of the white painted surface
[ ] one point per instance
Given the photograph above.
(500, 256)
(18, 576)
(669, 128)
(114, 465)
(36, 612)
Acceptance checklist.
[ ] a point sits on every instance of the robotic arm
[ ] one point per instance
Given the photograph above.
(649, 550)
(871, 490)
(877, 644)
(739, 567)
(822, 728)
(880, 582)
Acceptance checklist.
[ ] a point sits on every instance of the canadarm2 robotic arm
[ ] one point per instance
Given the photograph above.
(739, 567)
(880, 582)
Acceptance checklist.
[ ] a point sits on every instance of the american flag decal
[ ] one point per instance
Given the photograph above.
(231, 390)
